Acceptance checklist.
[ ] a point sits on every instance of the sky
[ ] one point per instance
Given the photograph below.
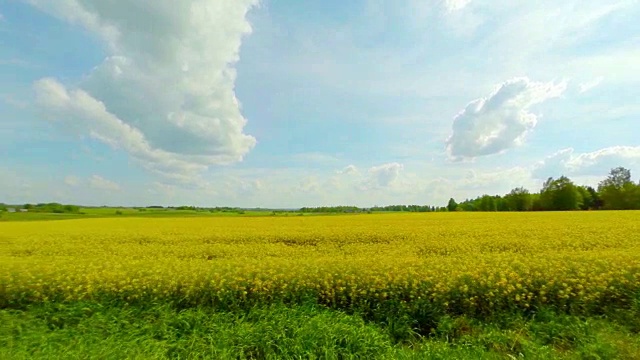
(285, 104)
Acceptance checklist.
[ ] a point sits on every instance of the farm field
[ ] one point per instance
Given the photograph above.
(439, 285)
(108, 212)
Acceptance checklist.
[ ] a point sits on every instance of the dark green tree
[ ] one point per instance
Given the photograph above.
(519, 199)
(617, 191)
(596, 201)
(618, 178)
(587, 198)
(452, 205)
(635, 199)
(487, 203)
(561, 194)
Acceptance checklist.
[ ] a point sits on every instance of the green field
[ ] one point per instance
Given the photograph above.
(559, 285)
(102, 212)
(94, 331)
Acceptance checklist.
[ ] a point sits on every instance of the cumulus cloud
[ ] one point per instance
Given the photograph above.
(74, 109)
(596, 163)
(500, 121)
(100, 183)
(165, 93)
(348, 170)
(385, 174)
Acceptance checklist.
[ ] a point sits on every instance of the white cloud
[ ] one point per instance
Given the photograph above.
(421, 10)
(165, 96)
(497, 178)
(500, 121)
(596, 163)
(309, 185)
(455, 5)
(553, 166)
(385, 174)
(72, 181)
(348, 170)
(100, 183)
(586, 86)
(83, 114)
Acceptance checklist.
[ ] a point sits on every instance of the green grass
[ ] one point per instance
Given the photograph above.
(129, 212)
(91, 330)
(133, 212)
(6, 216)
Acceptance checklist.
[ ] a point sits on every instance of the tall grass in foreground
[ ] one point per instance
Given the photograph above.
(403, 277)
(89, 330)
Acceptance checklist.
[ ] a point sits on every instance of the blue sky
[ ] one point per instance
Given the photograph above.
(279, 103)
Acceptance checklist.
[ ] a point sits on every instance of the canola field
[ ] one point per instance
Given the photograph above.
(458, 263)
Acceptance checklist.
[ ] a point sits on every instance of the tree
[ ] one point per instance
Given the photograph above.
(501, 203)
(452, 205)
(617, 191)
(596, 201)
(636, 197)
(546, 201)
(536, 202)
(618, 178)
(519, 199)
(561, 194)
(487, 203)
(587, 198)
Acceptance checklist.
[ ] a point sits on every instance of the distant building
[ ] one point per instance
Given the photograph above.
(23, 210)
(11, 210)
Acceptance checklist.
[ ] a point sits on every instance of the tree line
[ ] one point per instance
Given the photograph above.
(616, 192)
(355, 209)
(44, 208)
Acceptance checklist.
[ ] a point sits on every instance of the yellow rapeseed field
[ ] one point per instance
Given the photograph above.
(459, 262)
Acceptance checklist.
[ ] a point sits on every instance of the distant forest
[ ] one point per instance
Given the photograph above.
(616, 192)
(55, 208)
